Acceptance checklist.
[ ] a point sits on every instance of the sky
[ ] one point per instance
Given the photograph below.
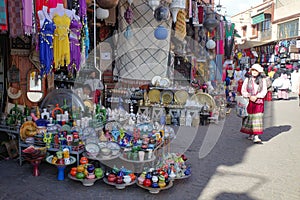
(236, 6)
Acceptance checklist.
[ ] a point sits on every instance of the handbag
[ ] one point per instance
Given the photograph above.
(241, 106)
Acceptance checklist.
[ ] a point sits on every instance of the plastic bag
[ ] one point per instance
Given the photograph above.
(241, 106)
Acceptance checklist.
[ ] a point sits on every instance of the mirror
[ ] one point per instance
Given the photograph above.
(34, 86)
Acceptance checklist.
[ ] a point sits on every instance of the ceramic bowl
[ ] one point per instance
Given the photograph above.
(92, 149)
(105, 151)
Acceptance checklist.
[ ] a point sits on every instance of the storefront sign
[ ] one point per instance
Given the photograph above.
(258, 18)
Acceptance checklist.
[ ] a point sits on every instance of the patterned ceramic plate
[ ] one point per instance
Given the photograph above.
(166, 97)
(164, 82)
(156, 80)
(154, 96)
(181, 97)
(203, 98)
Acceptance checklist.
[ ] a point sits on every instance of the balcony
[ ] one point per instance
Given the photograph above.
(265, 35)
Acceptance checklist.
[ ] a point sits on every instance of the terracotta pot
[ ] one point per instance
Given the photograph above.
(107, 4)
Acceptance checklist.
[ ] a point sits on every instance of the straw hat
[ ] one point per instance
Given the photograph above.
(257, 67)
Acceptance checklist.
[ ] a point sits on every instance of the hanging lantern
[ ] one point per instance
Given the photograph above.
(161, 33)
(210, 44)
(102, 13)
(128, 15)
(210, 22)
(162, 13)
(107, 4)
(128, 33)
(153, 4)
(175, 6)
(130, 2)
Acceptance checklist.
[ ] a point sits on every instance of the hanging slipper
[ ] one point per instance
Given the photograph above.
(11, 93)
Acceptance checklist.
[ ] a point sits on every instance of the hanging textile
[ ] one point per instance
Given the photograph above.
(28, 15)
(61, 44)
(46, 46)
(15, 20)
(3, 15)
(229, 38)
(141, 56)
(75, 30)
(82, 8)
(180, 26)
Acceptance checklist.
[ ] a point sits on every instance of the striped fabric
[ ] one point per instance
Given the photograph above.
(253, 124)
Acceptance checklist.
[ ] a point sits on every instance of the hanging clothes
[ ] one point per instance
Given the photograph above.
(46, 46)
(61, 44)
(75, 31)
(28, 16)
(15, 21)
(3, 15)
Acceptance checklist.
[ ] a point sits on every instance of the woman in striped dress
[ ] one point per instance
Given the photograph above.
(255, 88)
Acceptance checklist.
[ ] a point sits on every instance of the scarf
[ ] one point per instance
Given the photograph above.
(250, 86)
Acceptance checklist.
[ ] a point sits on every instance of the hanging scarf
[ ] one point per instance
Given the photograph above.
(180, 27)
(250, 86)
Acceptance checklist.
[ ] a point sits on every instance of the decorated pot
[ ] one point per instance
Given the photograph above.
(126, 179)
(111, 178)
(147, 182)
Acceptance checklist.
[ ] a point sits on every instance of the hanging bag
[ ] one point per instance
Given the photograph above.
(241, 106)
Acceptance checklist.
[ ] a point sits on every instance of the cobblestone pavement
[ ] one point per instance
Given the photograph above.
(235, 168)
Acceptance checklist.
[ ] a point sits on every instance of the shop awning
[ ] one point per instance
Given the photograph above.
(251, 44)
(258, 18)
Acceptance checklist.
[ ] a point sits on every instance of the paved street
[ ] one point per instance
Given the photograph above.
(233, 168)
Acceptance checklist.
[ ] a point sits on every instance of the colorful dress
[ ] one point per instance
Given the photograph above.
(75, 31)
(46, 46)
(253, 124)
(61, 44)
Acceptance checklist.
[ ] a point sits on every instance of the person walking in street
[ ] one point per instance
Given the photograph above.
(255, 88)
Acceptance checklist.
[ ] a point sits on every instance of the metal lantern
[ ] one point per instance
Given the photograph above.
(102, 13)
(162, 13)
(210, 44)
(175, 6)
(128, 15)
(153, 4)
(161, 33)
(210, 22)
(107, 4)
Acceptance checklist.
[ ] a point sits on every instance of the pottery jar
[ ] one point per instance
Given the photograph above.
(73, 171)
(161, 184)
(119, 180)
(126, 179)
(111, 178)
(147, 182)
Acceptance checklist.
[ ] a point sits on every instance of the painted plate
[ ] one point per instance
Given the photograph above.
(167, 97)
(89, 104)
(156, 80)
(154, 96)
(181, 97)
(164, 82)
(203, 98)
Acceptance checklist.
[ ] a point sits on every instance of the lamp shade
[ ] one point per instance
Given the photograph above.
(210, 22)
(175, 6)
(102, 13)
(107, 4)
(210, 44)
(153, 4)
(162, 13)
(161, 33)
